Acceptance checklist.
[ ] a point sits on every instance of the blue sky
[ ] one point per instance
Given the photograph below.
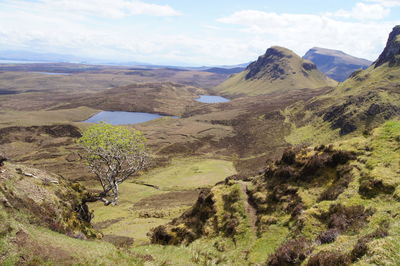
(179, 32)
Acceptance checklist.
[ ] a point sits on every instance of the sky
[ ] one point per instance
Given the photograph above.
(196, 33)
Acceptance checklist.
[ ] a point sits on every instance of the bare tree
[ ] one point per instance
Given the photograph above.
(113, 154)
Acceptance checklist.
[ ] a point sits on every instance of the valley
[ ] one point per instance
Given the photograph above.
(245, 167)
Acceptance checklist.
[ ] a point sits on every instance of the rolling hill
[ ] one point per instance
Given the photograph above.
(335, 64)
(278, 70)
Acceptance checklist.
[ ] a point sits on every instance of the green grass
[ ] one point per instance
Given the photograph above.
(316, 133)
(45, 247)
(268, 243)
(380, 161)
(185, 174)
(84, 252)
(180, 175)
(166, 255)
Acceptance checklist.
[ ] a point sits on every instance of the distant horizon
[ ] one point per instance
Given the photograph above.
(207, 33)
(94, 61)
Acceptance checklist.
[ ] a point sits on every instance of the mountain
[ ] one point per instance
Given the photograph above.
(335, 64)
(278, 70)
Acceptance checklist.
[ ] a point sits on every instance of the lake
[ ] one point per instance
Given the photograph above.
(122, 118)
(212, 99)
(8, 92)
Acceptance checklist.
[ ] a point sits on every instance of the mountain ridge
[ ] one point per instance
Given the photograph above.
(335, 63)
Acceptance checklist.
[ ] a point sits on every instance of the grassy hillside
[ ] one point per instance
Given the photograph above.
(32, 203)
(365, 100)
(315, 206)
(277, 71)
(356, 106)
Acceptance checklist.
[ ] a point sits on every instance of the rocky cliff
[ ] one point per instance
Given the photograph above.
(391, 54)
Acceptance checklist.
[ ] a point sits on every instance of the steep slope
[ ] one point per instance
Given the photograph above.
(44, 222)
(391, 54)
(277, 71)
(328, 205)
(335, 64)
(362, 102)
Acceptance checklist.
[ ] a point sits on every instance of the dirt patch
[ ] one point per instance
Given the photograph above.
(250, 210)
(178, 198)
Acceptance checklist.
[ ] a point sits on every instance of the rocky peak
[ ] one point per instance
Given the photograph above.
(391, 53)
(273, 59)
(276, 63)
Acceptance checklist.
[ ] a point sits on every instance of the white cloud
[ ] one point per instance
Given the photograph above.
(303, 31)
(386, 3)
(109, 30)
(102, 8)
(362, 11)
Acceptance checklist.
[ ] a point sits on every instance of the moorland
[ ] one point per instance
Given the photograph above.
(295, 169)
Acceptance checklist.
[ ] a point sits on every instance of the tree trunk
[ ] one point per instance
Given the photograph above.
(97, 198)
(115, 192)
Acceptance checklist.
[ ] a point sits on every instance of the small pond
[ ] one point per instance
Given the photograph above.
(212, 99)
(122, 118)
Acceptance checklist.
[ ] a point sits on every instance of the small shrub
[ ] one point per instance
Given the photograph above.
(370, 188)
(289, 157)
(341, 157)
(345, 218)
(329, 258)
(293, 252)
(342, 181)
(284, 172)
(312, 166)
(328, 236)
(361, 247)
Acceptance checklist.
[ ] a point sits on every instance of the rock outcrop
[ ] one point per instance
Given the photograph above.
(391, 53)
(276, 63)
